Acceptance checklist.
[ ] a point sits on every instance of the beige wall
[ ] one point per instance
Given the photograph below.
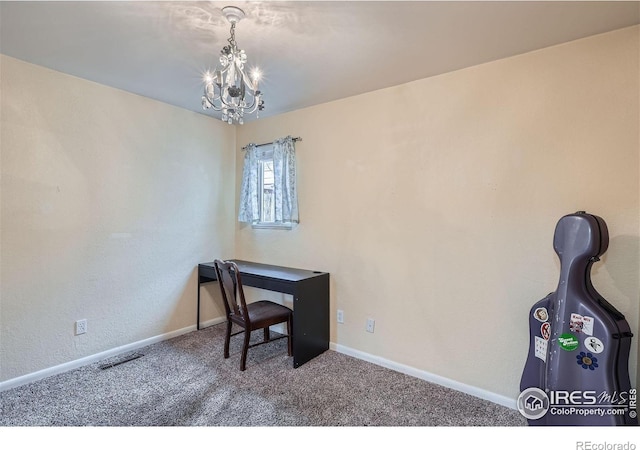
(433, 204)
(109, 201)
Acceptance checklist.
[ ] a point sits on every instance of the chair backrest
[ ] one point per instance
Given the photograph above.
(231, 288)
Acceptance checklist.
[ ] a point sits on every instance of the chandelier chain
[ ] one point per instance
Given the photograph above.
(232, 39)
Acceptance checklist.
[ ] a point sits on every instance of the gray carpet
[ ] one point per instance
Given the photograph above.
(185, 381)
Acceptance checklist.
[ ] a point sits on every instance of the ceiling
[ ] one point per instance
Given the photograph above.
(309, 52)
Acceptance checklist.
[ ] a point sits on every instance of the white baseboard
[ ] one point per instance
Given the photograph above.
(427, 376)
(55, 370)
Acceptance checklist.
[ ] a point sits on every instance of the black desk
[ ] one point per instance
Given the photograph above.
(310, 291)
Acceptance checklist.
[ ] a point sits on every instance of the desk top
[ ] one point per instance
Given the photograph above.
(271, 271)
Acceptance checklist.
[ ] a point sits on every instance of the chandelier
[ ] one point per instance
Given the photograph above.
(228, 88)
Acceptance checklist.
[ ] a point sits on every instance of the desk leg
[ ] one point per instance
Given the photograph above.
(310, 320)
(198, 313)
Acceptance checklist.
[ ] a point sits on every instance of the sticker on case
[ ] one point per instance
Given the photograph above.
(540, 348)
(587, 325)
(587, 361)
(568, 342)
(541, 314)
(545, 331)
(581, 324)
(594, 344)
(576, 323)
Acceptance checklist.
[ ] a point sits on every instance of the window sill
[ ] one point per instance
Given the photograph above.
(272, 226)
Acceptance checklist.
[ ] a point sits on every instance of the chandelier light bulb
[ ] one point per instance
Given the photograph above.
(256, 75)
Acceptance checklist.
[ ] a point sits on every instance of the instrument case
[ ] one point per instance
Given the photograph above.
(577, 368)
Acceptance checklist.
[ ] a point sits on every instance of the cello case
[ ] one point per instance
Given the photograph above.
(576, 371)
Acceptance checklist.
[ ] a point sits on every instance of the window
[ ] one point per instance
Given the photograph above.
(266, 181)
(266, 194)
(268, 198)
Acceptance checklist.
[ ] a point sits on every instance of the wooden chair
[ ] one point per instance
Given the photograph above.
(252, 316)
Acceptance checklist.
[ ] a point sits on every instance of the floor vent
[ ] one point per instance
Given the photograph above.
(120, 360)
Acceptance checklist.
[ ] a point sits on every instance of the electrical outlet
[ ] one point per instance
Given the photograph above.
(370, 325)
(81, 326)
(340, 316)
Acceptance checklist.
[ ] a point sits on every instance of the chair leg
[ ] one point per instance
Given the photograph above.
(266, 334)
(227, 338)
(290, 337)
(245, 348)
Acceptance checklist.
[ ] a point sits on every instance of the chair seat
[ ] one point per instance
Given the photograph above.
(264, 313)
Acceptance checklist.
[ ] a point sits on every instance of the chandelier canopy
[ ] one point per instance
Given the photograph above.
(228, 88)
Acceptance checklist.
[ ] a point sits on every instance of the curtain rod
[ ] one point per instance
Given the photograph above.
(295, 139)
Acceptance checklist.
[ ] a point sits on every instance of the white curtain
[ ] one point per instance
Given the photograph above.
(285, 191)
(249, 211)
